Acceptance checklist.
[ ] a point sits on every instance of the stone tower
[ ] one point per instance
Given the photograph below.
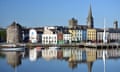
(90, 21)
(73, 23)
(14, 33)
(115, 24)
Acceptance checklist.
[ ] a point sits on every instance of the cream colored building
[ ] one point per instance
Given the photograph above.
(91, 34)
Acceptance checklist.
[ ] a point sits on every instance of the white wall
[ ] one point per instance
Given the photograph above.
(49, 38)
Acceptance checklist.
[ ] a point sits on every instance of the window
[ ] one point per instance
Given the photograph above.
(46, 37)
(54, 37)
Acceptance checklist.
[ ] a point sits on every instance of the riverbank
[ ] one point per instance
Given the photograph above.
(80, 45)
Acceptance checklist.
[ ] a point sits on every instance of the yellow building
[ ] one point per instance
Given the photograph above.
(73, 34)
(91, 34)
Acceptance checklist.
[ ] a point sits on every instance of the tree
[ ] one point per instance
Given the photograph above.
(3, 35)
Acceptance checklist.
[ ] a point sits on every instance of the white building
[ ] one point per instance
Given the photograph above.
(111, 34)
(100, 33)
(33, 35)
(114, 34)
(49, 38)
(67, 37)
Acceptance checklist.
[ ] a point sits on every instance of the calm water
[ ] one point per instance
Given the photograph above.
(60, 60)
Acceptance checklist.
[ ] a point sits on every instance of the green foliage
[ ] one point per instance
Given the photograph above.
(3, 35)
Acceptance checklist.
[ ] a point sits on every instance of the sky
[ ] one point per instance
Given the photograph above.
(39, 13)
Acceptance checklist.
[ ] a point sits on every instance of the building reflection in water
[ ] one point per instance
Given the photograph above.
(59, 54)
(49, 54)
(73, 56)
(32, 54)
(77, 56)
(113, 53)
(110, 53)
(13, 58)
(91, 57)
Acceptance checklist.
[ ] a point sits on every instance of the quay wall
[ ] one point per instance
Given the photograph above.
(79, 45)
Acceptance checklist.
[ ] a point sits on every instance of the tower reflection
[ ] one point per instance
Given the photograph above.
(13, 58)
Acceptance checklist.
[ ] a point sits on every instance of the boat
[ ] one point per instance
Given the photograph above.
(9, 45)
(12, 49)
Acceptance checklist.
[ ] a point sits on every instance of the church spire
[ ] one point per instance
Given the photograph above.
(90, 18)
(90, 12)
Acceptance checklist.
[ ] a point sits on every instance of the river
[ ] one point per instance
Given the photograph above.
(60, 60)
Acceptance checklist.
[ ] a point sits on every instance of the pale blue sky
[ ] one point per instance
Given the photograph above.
(57, 12)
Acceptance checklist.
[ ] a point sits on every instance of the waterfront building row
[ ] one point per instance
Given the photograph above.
(62, 35)
(77, 35)
(74, 33)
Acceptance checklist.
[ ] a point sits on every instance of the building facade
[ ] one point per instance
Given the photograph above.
(78, 35)
(114, 35)
(14, 33)
(73, 35)
(91, 35)
(100, 33)
(60, 38)
(49, 36)
(49, 39)
(67, 38)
